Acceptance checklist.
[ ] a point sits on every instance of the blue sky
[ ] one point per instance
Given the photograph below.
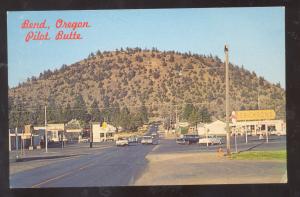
(256, 37)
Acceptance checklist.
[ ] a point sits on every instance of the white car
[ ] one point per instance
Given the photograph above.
(210, 140)
(122, 142)
(147, 140)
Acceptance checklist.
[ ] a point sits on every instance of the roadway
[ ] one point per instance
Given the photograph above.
(112, 165)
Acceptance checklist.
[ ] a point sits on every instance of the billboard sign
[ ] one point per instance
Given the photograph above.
(248, 115)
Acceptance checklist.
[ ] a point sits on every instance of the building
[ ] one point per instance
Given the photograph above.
(23, 138)
(104, 132)
(54, 131)
(257, 122)
(276, 127)
(217, 127)
(73, 130)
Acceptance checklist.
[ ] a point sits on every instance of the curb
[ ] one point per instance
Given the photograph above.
(42, 158)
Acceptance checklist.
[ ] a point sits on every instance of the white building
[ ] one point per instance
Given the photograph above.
(101, 134)
(215, 128)
(277, 127)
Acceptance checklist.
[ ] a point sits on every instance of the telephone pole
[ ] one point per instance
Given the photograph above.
(227, 100)
(46, 134)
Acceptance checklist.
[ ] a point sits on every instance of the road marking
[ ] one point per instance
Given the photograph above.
(156, 147)
(63, 175)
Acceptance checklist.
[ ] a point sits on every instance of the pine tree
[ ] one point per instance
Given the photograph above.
(125, 118)
(95, 112)
(187, 111)
(80, 112)
(67, 113)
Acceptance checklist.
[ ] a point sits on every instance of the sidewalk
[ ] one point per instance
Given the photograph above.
(67, 151)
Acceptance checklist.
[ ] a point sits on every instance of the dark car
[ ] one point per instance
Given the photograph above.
(188, 139)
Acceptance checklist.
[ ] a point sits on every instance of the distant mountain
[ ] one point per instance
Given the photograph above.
(159, 81)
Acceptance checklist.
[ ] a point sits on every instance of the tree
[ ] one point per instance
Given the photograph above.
(205, 116)
(115, 114)
(187, 111)
(95, 112)
(125, 119)
(80, 111)
(106, 111)
(67, 113)
(144, 113)
(194, 117)
(52, 111)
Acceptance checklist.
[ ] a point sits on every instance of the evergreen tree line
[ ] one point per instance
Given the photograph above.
(111, 113)
(195, 115)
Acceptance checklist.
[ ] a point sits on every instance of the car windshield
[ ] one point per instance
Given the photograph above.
(121, 138)
(147, 137)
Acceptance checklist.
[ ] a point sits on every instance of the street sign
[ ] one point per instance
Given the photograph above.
(248, 115)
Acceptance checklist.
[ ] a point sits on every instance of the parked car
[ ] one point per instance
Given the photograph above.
(147, 139)
(84, 140)
(154, 135)
(181, 141)
(188, 139)
(210, 140)
(122, 142)
(133, 139)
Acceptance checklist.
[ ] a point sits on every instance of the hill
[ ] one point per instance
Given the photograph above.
(139, 84)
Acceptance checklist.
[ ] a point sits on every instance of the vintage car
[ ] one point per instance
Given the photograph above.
(188, 139)
(210, 140)
(122, 141)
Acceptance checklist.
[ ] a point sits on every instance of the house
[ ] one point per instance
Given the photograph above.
(104, 132)
(217, 127)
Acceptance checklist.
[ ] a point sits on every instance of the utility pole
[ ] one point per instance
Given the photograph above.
(9, 140)
(227, 100)
(17, 141)
(176, 118)
(91, 135)
(46, 134)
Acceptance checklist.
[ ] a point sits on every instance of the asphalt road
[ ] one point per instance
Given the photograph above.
(115, 166)
(275, 143)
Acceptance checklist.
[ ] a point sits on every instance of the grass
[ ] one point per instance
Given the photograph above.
(260, 155)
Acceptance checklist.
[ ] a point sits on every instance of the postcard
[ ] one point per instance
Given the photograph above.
(146, 97)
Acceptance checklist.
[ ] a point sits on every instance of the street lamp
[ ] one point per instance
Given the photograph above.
(227, 100)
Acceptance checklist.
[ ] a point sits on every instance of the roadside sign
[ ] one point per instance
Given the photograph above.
(104, 125)
(248, 115)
